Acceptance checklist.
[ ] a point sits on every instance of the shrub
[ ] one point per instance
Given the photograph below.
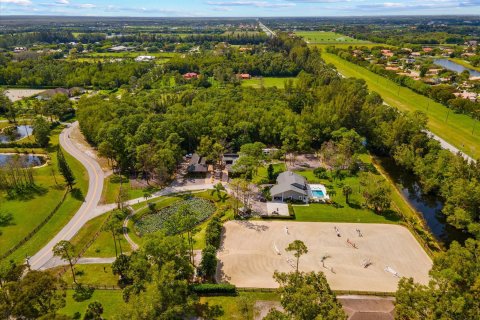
(320, 173)
(208, 265)
(211, 288)
(213, 232)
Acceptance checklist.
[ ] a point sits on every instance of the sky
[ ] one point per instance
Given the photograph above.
(237, 8)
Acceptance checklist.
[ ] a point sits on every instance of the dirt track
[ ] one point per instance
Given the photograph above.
(248, 256)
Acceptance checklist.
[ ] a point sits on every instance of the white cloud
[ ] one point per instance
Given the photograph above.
(257, 4)
(17, 2)
(87, 6)
(62, 1)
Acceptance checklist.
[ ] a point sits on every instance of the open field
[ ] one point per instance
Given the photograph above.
(28, 213)
(326, 37)
(454, 128)
(248, 258)
(111, 188)
(266, 82)
(18, 94)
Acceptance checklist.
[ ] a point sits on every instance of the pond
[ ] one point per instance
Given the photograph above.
(429, 206)
(453, 66)
(10, 134)
(26, 160)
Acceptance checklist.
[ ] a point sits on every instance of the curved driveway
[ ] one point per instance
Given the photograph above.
(44, 258)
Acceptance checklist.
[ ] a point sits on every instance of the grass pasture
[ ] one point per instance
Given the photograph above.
(111, 301)
(267, 82)
(326, 37)
(460, 130)
(29, 211)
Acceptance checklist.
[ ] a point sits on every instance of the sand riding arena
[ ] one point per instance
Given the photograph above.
(357, 257)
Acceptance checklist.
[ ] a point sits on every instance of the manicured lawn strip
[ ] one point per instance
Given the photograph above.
(457, 130)
(111, 301)
(327, 37)
(464, 63)
(262, 173)
(267, 82)
(230, 304)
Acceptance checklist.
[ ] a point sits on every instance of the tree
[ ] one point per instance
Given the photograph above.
(41, 131)
(37, 294)
(218, 189)
(347, 191)
(299, 248)
(64, 169)
(452, 292)
(376, 192)
(94, 311)
(306, 296)
(121, 266)
(66, 251)
(208, 265)
(270, 173)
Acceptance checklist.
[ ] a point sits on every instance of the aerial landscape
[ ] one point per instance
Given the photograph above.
(268, 159)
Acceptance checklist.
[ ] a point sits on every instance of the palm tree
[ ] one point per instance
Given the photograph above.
(347, 191)
(299, 248)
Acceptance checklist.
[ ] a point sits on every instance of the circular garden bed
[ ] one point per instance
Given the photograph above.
(200, 208)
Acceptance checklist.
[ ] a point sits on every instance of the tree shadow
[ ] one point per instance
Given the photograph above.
(26, 193)
(77, 194)
(391, 215)
(354, 205)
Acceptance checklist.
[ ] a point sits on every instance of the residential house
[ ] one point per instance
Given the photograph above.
(144, 58)
(290, 186)
(197, 164)
(190, 75)
(244, 76)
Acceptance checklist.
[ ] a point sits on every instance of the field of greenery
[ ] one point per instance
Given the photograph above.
(43, 198)
(200, 208)
(326, 37)
(266, 82)
(455, 128)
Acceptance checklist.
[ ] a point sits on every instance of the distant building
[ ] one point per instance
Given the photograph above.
(244, 76)
(120, 49)
(427, 50)
(19, 49)
(471, 43)
(229, 159)
(144, 58)
(190, 75)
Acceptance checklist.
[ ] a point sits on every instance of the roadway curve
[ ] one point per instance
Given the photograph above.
(44, 258)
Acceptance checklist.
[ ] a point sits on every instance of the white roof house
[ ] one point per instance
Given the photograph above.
(290, 186)
(144, 58)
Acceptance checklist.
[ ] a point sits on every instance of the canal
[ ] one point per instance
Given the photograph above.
(429, 206)
(453, 66)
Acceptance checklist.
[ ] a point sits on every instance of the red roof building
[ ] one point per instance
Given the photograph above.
(190, 75)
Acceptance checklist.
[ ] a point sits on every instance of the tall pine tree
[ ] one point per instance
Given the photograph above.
(64, 169)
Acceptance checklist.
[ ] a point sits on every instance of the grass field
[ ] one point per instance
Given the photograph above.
(454, 128)
(90, 274)
(28, 213)
(111, 189)
(262, 173)
(266, 82)
(232, 305)
(326, 37)
(111, 301)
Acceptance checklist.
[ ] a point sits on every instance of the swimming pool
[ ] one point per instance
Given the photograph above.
(317, 193)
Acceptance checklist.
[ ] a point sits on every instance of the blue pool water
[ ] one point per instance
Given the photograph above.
(317, 193)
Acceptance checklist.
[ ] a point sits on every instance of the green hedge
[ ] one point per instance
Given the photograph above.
(212, 288)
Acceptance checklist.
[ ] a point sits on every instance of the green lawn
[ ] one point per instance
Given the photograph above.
(456, 129)
(103, 245)
(91, 274)
(266, 82)
(262, 173)
(111, 301)
(230, 304)
(29, 213)
(111, 188)
(326, 37)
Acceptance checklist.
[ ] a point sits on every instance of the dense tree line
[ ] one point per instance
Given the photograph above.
(45, 71)
(30, 38)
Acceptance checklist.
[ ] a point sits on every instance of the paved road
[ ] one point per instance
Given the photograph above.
(267, 30)
(448, 146)
(95, 186)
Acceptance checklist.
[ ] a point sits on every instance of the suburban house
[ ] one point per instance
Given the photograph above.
(290, 186)
(197, 164)
(190, 75)
(228, 159)
(144, 58)
(244, 76)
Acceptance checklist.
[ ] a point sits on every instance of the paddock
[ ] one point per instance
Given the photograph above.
(252, 250)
